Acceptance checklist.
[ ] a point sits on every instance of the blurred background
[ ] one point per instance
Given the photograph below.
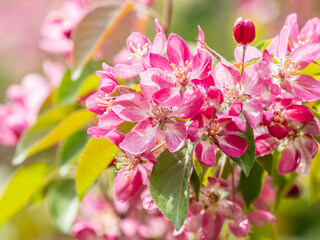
(20, 24)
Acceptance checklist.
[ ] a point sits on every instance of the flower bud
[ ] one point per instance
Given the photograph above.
(244, 31)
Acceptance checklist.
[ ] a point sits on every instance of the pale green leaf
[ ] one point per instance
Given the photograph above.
(22, 185)
(45, 134)
(97, 155)
(63, 204)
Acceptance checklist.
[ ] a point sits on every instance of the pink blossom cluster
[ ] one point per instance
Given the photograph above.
(107, 218)
(180, 96)
(58, 26)
(24, 102)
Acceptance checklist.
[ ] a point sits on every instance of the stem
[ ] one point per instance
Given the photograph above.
(243, 55)
(167, 16)
(233, 184)
(212, 52)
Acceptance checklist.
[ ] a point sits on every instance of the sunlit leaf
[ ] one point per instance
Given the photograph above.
(170, 184)
(47, 132)
(97, 155)
(22, 185)
(94, 29)
(63, 204)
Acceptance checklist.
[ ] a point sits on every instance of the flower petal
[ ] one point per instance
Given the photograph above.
(126, 186)
(261, 217)
(205, 153)
(154, 80)
(131, 107)
(290, 160)
(141, 138)
(232, 145)
(253, 112)
(176, 134)
(177, 50)
(299, 113)
(242, 230)
(167, 97)
(306, 87)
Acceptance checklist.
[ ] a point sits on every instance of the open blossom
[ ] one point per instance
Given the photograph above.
(210, 129)
(171, 76)
(25, 100)
(59, 25)
(286, 73)
(309, 33)
(301, 147)
(242, 89)
(139, 48)
(154, 120)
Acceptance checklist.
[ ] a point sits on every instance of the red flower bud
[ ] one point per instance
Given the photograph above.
(244, 31)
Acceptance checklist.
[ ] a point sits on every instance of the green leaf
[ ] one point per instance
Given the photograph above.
(266, 162)
(246, 160)
(69, 90)
(97, 155)
(263, 44)
(63, 204)
(196, 183)
(72, 147)
(23, 184)
(170, 184)
(46, 132)
(95, 27)
(250, 186)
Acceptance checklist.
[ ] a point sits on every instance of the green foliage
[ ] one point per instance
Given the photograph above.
(266, 162)
(52, 127)
(196, 183)
(315, 179)
(263, 44)
(170, 184)
(246, 160)
(23, 184)
(69, 91)
(72, 147)
(63, 204)
(97, 155)
(250, 185)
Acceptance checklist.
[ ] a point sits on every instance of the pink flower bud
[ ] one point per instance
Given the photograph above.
(244, 31)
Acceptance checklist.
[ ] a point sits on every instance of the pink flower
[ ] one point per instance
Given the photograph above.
(286, 73)
(310, 33)
(59, 25)
(96, 219)
(154, 120)
(243, 90)
(139, 47)
(171, 76)
(25, 101)
(283, 111)
(301, 147)
(212, 129)
(132, 174)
